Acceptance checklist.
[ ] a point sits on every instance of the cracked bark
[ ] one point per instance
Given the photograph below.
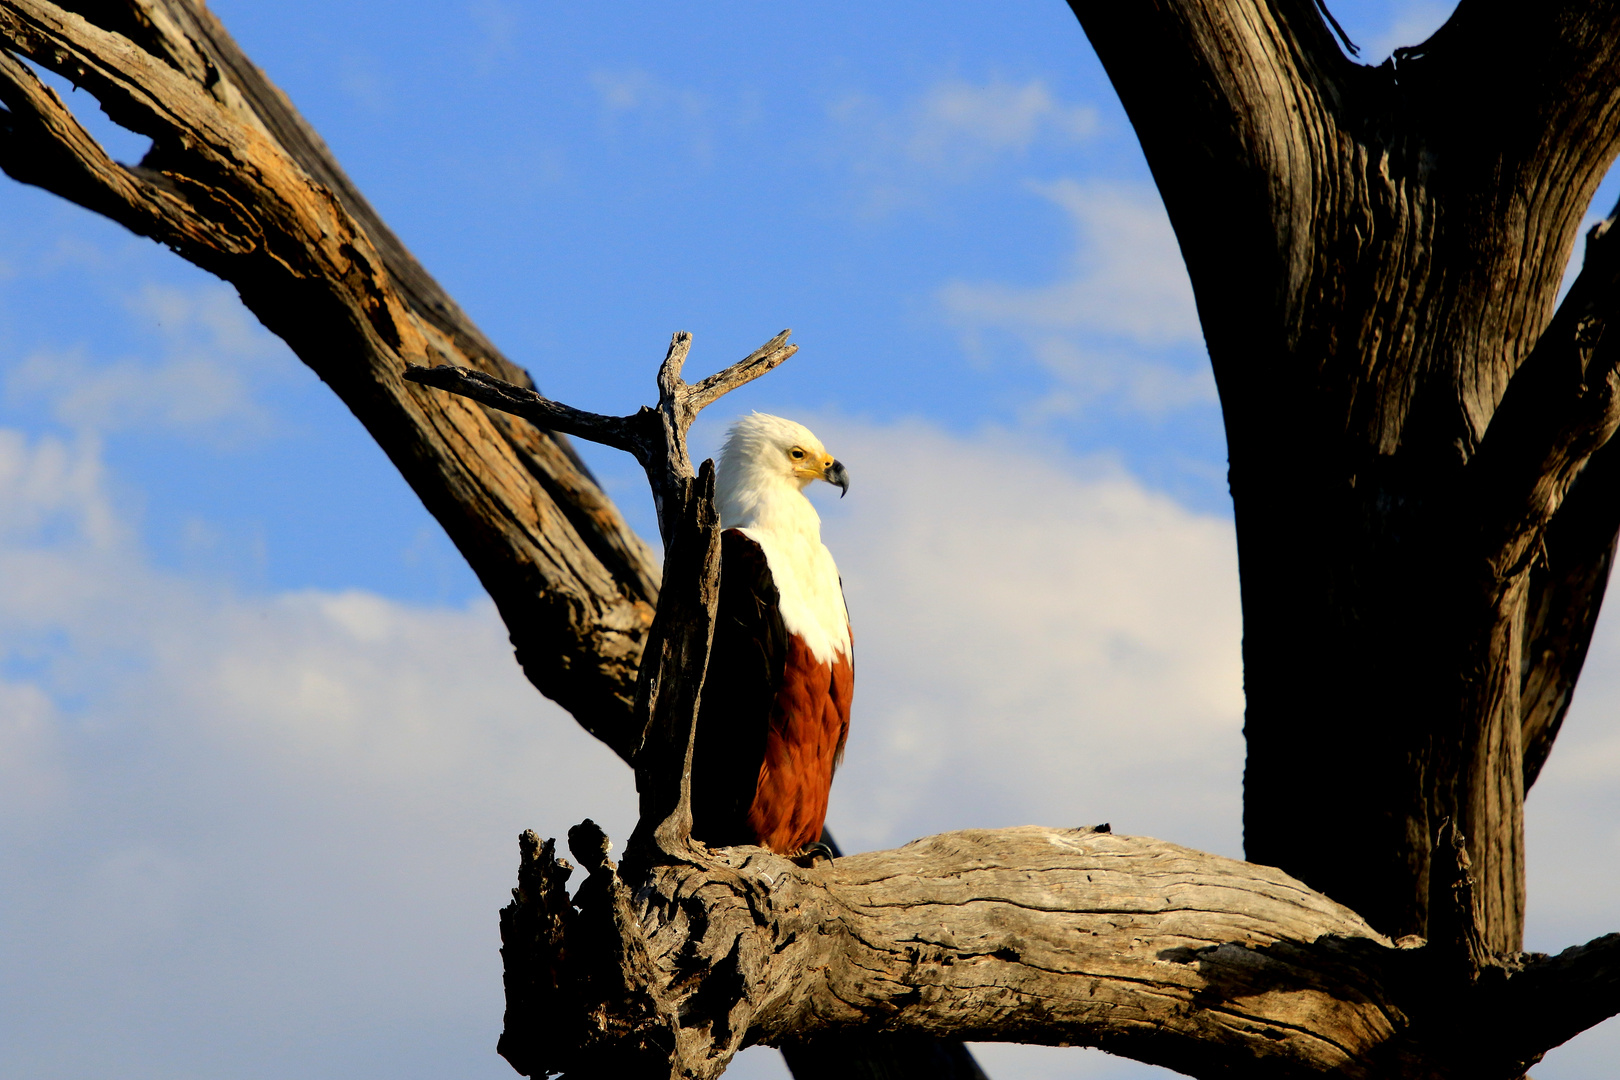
(1209, 966)
(1376, 255)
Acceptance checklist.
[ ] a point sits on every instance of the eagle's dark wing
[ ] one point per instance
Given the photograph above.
(745, 673)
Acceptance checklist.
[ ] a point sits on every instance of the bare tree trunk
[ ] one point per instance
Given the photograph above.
(1376, 255)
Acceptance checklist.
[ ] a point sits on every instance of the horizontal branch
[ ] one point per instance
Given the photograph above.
(615, 431)
(1059, 936)
(1196, 962)
(1556, 998)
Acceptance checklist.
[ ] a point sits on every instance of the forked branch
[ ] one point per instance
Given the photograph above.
(670, 688)
(655, 436)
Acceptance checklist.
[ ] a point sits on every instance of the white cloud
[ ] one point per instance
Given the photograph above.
(226, 819)
(950, 133)
(1572, 838)
(622, 91)
(1038, 640)
(1128, 278)
(1103, 327)
(957, 123)
(498, 25)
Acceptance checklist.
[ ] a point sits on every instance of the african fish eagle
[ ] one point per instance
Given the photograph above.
(775, 705)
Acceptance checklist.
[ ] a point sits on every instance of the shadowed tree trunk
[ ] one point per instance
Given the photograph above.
(1426, 503)
(1376, 254)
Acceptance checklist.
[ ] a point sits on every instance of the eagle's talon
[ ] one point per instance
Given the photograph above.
(807, 855)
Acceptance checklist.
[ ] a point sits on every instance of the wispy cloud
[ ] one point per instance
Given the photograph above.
(1103, 328)
(957, 124)
(950, 133)
(251, 815)
(213, 356)
(665, 111)
(498, 25)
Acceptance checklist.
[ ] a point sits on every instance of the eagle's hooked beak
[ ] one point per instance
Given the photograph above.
(837, 474)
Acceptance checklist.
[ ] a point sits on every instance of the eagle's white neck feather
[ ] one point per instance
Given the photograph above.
(759, 496)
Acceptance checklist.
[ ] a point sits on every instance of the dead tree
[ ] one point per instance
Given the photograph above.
(1426, 519)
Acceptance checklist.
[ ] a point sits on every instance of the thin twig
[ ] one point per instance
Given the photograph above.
(520, 401)
(746, 370)
(680, 401)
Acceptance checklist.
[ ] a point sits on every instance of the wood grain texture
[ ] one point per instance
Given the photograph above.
(1206, 965)
(1376, 254)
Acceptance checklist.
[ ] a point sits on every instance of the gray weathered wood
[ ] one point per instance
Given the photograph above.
(1206, 965)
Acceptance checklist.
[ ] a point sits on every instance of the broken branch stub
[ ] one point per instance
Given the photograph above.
(674, 667)
(670, 682)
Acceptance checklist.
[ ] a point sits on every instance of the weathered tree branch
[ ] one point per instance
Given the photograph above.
(1565, 596)
(1553, 999)
(1202, 964)
(1562, 405)
(237, 183)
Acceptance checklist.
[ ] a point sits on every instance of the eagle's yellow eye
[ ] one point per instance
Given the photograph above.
(797, 453)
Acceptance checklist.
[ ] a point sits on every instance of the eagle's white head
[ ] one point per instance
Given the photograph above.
(765, 465)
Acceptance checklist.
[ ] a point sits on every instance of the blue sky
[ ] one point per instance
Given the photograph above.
(236, 656)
